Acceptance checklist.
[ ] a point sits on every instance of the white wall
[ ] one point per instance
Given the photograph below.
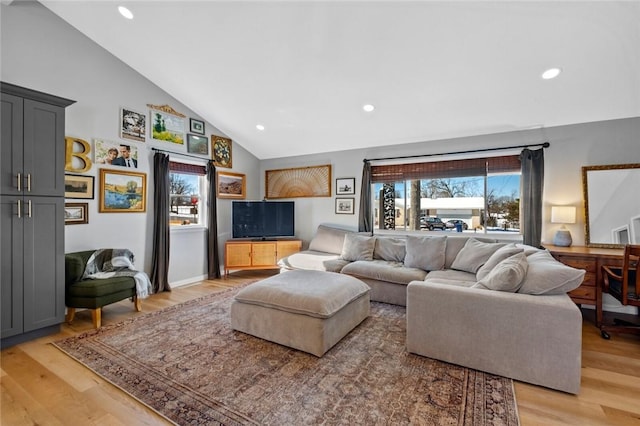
(42, 52)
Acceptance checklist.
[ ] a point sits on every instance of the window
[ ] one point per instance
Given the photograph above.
(187, 195)
(474, 195)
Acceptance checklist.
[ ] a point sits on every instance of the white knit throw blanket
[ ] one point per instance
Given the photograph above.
(107, 263)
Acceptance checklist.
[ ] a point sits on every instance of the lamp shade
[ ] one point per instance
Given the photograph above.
(563, 214)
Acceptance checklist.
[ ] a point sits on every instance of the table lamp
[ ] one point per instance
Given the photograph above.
(563, 215)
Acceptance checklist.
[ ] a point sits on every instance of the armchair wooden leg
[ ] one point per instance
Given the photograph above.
(138, 303)
(96, 315)
(71, 313)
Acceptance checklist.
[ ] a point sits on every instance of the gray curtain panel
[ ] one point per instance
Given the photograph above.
(213, 255)
(532, 188)
(365, 218)
(160, 256)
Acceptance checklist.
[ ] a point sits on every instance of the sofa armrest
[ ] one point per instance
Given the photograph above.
(74, 265)
(536, 339)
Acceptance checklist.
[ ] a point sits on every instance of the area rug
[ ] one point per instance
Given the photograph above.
(186, 363)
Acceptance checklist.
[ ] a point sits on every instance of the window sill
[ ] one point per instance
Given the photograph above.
(187, 228)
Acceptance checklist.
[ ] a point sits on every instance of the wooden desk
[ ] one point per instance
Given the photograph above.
(591, 259)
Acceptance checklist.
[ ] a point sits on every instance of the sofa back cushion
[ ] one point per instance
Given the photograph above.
(498, 256)
(507, 275)
(357, 247)
(426, 253)
(474, 254)
(328, 239)
(548, 276)
(391, 249)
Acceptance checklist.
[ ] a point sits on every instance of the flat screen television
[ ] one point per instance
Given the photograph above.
(262, 219)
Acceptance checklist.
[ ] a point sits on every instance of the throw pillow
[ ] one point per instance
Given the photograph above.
(328, 239)
(358, 247)
(498, 256)
(391, 249)
(548, 276)
(426, 253)
(507, 275)
(473, 255)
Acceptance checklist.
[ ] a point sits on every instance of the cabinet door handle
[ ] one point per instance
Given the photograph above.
(29, 183)
(29, 208)
(19, 209)
(19, 182)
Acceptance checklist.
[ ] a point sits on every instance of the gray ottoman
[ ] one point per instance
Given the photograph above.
(306, 310)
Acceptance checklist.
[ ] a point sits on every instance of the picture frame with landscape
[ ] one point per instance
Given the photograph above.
(167, 125)
(345, 205)
(76, 213)
(79, 186)
(230, 185)
(345, 186)
(197, 144)
(122, 191)
(133, 125)
(196, 126)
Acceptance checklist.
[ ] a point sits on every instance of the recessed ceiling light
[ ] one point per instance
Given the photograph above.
(260, 127)
(368, 107)
(551, 73)
(125, 12)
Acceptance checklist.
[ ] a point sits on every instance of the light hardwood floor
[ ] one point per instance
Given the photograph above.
(42, 386)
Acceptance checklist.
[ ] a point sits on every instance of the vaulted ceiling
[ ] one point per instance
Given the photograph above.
(431, 69)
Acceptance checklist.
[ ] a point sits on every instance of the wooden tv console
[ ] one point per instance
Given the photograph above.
(249, 254)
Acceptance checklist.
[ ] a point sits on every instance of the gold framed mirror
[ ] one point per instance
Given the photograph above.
(611, 205)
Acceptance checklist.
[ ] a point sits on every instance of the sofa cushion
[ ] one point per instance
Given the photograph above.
(451, 275)
(456, 243)
(498, 256)
(548, 276)
(392, 249)
(474, 254)
(328, 239)
(427, 253)
(382, 270)
(313, 260)
(357, 247)
(507, 275)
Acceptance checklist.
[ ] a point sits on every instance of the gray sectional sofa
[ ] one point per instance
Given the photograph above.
(493, 306)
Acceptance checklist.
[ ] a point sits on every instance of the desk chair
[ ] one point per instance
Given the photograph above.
(623, 284)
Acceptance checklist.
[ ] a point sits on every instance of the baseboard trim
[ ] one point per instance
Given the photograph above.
(188, 281)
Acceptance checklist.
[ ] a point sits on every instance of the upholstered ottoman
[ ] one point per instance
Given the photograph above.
(306, 310)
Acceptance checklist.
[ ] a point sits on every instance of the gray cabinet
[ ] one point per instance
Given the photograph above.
(31, 213)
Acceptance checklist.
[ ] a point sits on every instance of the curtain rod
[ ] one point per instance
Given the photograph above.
(543, 144)
(180, 153)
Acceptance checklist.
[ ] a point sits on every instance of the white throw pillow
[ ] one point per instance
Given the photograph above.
(473, 255)
(426, 253)
(507, 275)
(358, 247)
(548, 276)
(498, 256)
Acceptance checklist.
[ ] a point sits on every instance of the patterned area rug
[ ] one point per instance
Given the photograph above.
(186, 363)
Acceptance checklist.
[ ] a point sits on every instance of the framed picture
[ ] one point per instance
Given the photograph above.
(196, 126)
(221, 151)
(197, 144)
(314, 181)
(77, 186)
(345, 205)
(122, 191)
(133, 125)
(230, 185)
(76, 213)
(345, 186)
(167, 125)
(115, 154)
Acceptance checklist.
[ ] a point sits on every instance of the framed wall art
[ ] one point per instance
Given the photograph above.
(345, 205)
(115, 154)
(230, 185)
(314, 181)
(133, 125)
(122, 191)
(221, 151)
(345, 186)
(196, 126)
(78, 186)
(167, 125)
(76, 213)
(197, 144)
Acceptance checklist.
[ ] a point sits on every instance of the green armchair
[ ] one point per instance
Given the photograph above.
(93, 293)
